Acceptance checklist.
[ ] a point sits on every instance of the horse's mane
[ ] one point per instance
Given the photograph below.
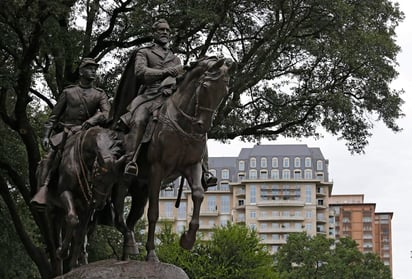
(189, 67)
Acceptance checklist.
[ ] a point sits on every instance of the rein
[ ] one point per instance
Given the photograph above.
(87, 188)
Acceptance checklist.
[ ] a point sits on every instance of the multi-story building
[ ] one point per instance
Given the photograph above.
(275, 189)
(278, 190)
(352, 217)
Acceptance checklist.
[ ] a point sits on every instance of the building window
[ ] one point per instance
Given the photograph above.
(241, 176)
(297, 174)
(224, 187)
(308, 214)
(225, 174)
(308, 174)
(252, 174)
(241, 202)
(319, 165)
(308, 227)
(252, 162)
(241, 165)
(263, 226)
(252, 214)
(263, 162)
(285, 174)
(211, 203)
(275, 213)
(297, 162)
(181, 212)
(308, 194)
(274, 174)
(308, 162)
(241, 217)
(168, 209)
(225, 204)
(213, 172)
(252, 227)
(286, 162)
(275, 163)
(252, 194)
(263, 174)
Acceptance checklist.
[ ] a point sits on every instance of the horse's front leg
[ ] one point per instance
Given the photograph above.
(72, 220)
(153, 212)
(188, 238)
(79, 241)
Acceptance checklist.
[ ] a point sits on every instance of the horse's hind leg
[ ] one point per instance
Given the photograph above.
(153, 214)
(188, 238)
(129, 244)
(72, 221)
(139, 200)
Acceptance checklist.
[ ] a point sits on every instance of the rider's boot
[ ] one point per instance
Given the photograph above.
(208, 180)
(131, 167)
(39, 200)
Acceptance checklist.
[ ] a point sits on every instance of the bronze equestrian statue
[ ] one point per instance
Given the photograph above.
(176, 148)
(90, 166)
(71, 191)
(155, 67)
(79, 107)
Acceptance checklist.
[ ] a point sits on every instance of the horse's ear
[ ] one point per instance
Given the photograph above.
(217, 65)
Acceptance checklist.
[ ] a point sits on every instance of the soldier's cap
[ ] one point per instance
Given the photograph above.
(88, 61)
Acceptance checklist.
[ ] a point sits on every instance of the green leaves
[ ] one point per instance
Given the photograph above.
(323, 258)
(232, 252)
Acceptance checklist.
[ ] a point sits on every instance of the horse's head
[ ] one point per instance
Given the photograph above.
(202, 90)
(107, 168)
(211, 89)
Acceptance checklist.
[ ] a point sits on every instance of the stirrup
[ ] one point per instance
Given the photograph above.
(131, 168)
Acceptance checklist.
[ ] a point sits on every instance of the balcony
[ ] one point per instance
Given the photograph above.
(209, 213)
(207, 226)
(240, 192)
(286, 218)
(240, 221)
(273, 241)
(281, 230)
(269, 203)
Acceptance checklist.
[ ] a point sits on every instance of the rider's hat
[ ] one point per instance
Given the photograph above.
(88, 61)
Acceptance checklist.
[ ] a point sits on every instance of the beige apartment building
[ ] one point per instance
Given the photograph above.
(278, 190)
(275, 189)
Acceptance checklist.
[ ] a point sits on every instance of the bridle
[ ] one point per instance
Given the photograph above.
(88, 189)
(201, 83)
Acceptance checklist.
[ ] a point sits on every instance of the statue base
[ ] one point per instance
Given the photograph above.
(113, 269)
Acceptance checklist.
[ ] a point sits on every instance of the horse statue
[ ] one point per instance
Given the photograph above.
(176, 148)
(88, 170)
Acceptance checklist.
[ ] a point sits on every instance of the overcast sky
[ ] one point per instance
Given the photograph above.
(383, 173)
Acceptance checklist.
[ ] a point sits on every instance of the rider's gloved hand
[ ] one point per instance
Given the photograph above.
(174, 71)
(86, 125)
(45, 143)
(171, 72)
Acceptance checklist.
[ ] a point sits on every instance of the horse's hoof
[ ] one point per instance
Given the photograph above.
(152, 257)
(187, 241)
(131, 249)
